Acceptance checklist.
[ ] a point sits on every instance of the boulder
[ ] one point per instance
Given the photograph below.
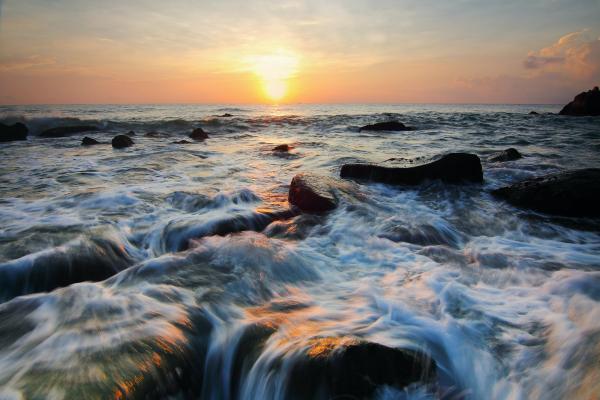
(572, 193)
(121, 141)
(509, 154)
(88, 141)
(17, 131)
(198, 134)
(386, 126)
(452, 168)
(347, 368)
(312, 193)
(62, 131)
(282, 148)
(585, 103)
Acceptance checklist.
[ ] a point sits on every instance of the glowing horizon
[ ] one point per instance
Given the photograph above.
(295, 51)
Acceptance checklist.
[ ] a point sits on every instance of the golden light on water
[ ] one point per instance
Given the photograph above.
(275, 71)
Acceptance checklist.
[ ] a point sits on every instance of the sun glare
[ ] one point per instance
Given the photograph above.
(274, 71)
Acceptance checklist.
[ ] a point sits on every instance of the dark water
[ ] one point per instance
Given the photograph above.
(186, 251)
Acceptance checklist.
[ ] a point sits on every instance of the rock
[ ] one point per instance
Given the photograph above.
(453, 168)
(62, 131)
(226, 115)
(312, 193)
(509, 154)
(198, 134)
(572, 193)
(182, 142)
(347, 368)
(386, 126)
(121, 141)
(585, 103)
(282, 148)
(17, 131)
(534, 113)
(131, 133)
(88, 141)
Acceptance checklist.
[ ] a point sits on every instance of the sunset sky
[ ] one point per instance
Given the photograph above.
(245, 51)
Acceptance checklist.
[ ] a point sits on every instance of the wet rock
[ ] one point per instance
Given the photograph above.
(509, 154)
(534, 113)
(198, 134)
(131, 133)
(355, 369)
(312, 193)
(9, 133)
(88, 141)
(226, 115)
(121, 141)
(182, 142)
(62, 131)
(573, 193)
(386, 126)
(585, 103)
(452, 168)
(282, 148)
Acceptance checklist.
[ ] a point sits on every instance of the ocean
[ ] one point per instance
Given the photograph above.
(169, 270)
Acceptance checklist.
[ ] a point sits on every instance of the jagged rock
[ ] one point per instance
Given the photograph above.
(9, 133)
(121, 141)
(198, 134)
(62, 131)
(585, 103)
(572, 193)
(509, 154)
(386, 126)
(453, 168)
(88, 141)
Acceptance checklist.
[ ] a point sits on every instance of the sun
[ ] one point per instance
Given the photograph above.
(274, 71)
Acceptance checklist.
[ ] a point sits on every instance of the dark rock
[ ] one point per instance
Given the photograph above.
(509, 154)
(573, 193)
(131, 133)
(198, 134)
(62, 131)
(534, 113)
(17, 131)
(312, 193)
(282, 148)
(453, 168)
(585, 103)
(88, 141)
(343, 368)
(121, 141)
(386, 126)
(182, 142)
(226, 115)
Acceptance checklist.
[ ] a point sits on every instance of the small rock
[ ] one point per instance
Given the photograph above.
(282, 148)
(88, 141)
(62, 131)
(509, 154)
(534, 113)
(198, 134)
(585, 103)
(182, 142)
(572, 194)
(131, 133)
(453, 168)
(121, 141)
(226, 115)
(386, 126)
(17, 131)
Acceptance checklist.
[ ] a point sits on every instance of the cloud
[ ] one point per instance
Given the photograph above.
(534, 62)
(26, 63)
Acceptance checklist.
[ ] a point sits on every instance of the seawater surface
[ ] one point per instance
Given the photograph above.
(194, 280)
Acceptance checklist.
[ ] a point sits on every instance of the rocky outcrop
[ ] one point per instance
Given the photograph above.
(198, 134)
(9, 133)
(386, 126)
(121, 141)
(348, 368)
(62, 131)
(509, 154)
(313, 193)
(452, 168)
(573, 193)
(88, 141)
(585, 103)
(282, 148)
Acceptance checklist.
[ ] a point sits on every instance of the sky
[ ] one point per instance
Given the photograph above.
(290, 51)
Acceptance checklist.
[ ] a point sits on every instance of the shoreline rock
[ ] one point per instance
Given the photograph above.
(62, 131)
(386, 126)
(16, 131)
(509, 154)
(451, 168)
(572, 193)
(584, 104)
(121, 141)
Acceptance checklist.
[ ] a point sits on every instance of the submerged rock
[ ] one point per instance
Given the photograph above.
(585, 103)
(509, 154)
(534, 113)
(88, 141)
(386, 126)
(198, 134)
(354, 369)
(226, 115)
(181, 142)
(453, 168)
(282, 148)
(62, 131)
(572, 193)
(121, 141)
(312, 193)
(9, 133)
